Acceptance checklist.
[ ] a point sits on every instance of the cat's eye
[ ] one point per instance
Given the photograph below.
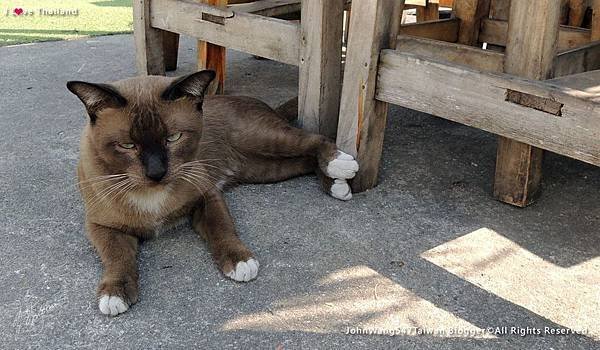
(174, 137)
(127, 145)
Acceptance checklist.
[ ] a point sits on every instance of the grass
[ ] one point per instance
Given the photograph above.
(95, 17)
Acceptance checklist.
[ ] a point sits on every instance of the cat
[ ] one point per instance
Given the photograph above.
(156, 149)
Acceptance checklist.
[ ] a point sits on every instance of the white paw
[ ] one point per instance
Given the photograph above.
(112, 305)
(244, 271)
(342, 167)
(341, 190)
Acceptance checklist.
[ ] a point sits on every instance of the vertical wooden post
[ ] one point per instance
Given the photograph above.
(595, 20)
(499, 9)
(577, 10)
(171, 48)
(149, 50)
(430, 12)
(213, 57)
(362, 118)
(320, 65)
(470, 13)
(530, 50)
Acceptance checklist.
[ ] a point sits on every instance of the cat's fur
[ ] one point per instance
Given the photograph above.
(129, 193)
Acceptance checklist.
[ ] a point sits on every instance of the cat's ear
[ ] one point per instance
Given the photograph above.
(193, 85)
(96, 97)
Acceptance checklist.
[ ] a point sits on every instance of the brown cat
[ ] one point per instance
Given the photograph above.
(156, 149)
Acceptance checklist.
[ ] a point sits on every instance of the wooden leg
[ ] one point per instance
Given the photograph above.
(595, 20)
(320, 65)
(171, 48)
(470, 13)
(430, 12)
(530, 50)
(362, 118)
(213, 57)
(577, 10)
(149, 50)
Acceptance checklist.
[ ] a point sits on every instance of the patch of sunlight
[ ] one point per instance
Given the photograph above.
(567, 296)
(358, 298)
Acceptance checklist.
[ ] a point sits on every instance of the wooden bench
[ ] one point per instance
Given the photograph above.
(440, 67)
(314, 45)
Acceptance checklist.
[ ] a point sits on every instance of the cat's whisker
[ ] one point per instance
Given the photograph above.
(203, 173)
(91, 184)
(102, 195)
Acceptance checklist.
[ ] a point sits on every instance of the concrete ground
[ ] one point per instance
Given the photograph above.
(427, 251)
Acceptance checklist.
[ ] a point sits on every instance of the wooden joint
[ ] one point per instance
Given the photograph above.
(543, 104)
(216, 19)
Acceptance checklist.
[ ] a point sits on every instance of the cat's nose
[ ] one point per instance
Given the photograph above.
(156, 168)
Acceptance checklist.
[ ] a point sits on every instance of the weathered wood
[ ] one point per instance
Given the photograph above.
(479, 99)
(495, 32)
(262, 36)
(212, 56)
(443, 30)
(470, 13)
(149, 49)
(499, 9)
(586, 86)
(595, 35)
(170, 49)
(269, 8)
(320, 65)
(578, 60)
(429, 12)
(530, 49)
(577, 10)
(362, 118)
(477, 58)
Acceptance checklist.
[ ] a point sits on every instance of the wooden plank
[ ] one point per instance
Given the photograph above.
(478, 99)
(320, 65)
(149, 49)
(269, 8)
(595, 35)
(443, 30)
(530, 49)
(585, 86)
(499, 9)
(271, 38)
(362, 118)
(495, 32)
(470, 13)
(479, 59)
(579, 60)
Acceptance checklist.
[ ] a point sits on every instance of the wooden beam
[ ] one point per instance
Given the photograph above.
(470, 13)
(271, 38)
(269, 8)
(577, 10)
(499, 9)
(586, 86)
(530, 49)
(578, 60)
(429, 12)
(149, 47)
(212, 56)
(473, 57)
(443, 30)
(481, 100)
(320, 65)
(495, 32)
(362, 118)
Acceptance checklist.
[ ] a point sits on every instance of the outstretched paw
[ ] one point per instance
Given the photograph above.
(112, 305)
(244, 271)
(343, 166)
(115, 297)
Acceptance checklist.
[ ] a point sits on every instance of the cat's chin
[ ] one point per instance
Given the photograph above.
(151, 200)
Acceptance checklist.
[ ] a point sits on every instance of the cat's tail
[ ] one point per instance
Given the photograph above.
(289, 110)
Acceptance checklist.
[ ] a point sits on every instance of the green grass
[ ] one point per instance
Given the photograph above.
(96, 17)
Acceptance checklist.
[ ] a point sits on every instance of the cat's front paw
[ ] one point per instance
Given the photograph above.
(341, 190)
(244, 271)
(342, 166)
(115, 298)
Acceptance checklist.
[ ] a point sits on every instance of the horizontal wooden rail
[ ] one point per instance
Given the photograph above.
(582, 59)
(443, 30)
(484, 60)
(544, 115)
(271, 38)
(495, 32)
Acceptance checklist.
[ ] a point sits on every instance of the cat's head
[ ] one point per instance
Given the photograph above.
(144, 127)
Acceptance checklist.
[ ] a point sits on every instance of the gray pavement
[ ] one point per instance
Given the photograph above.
(427, 249)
